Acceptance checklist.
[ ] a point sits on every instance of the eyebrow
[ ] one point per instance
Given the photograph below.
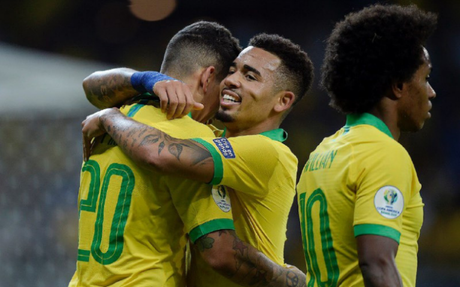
(252, 69)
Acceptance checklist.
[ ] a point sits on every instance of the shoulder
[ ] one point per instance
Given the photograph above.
(259, 142)
(372, 144)
(184, 128)
(264, 149)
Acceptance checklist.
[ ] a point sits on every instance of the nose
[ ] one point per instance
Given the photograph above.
(231, 81)
(431, 93)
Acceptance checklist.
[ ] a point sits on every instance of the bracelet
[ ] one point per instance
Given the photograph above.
(143, 82)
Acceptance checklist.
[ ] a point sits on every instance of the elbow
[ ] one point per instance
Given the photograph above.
(87, 88)
(91, 95)
(87, 84)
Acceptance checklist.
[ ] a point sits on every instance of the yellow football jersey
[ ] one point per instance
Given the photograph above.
(133, 222)
(358, 181)
(259, 174)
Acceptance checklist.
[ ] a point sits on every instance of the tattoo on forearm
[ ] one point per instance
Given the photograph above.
(149, 139)
(130, 137)
(176, 150)
(109, 89)
(264, 272)
(150, 136)
(204, 243)
(252, 268)
(292, 279)
(160, 147)
(106, 88)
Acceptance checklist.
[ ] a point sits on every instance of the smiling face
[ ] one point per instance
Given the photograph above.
(247, 93)
(415, 105)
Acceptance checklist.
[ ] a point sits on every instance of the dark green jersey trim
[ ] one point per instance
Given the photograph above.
(218, 165)
(276, 135)
(142, 100)
(210, 226)
(83, 255)
(367, 119)
(146, 96)
(136, 107)
(376, 229)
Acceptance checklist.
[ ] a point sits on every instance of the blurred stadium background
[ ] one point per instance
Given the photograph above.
(47, 47)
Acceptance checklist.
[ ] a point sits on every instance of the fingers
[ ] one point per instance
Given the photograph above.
(176, 99)
(89, 146)
(175, 102)
(159, 90)
(198, 106)
(86, 143)
(86, 151)
(91, 127)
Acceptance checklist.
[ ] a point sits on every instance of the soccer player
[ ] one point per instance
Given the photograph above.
(133, 222)
(359, 195)
(250, 163)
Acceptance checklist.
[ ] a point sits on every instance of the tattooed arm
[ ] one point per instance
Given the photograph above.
(110, 88)
(243, 264)
(149, 147)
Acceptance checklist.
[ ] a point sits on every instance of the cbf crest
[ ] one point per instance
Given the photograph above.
(389, 202)
(221, 197)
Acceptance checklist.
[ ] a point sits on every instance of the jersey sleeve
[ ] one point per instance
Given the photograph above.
(244, 163)
(201, 208)
(384, 186)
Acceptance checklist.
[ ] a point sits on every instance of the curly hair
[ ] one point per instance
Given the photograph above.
(372, 49)
(201, 44)
(296, 70)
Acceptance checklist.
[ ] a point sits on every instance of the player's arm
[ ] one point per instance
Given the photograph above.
(243, 264)
(111, 88)
(150, 147)
(377, 261)
(378, 236)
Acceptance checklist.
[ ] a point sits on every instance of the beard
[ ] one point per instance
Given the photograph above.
(223, 117)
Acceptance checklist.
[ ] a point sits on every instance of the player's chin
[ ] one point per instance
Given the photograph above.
(224, 116)
(413, 126)
(418, 126)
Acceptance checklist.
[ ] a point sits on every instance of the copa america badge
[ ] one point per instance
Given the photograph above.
(389, 202)
(221, 198)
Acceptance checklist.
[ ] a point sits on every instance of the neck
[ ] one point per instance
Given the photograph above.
(201, 116)
(387, 112)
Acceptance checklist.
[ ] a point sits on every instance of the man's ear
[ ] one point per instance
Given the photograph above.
(285, 101)
(207, 76)
(398, 89)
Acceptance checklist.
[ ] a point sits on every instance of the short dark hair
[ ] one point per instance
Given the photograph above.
(372, 49)
(296, 70)
(201, 44)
